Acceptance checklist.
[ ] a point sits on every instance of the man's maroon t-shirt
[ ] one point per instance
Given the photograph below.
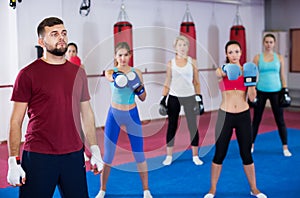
(53, 94)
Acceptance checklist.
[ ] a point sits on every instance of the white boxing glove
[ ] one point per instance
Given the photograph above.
(96, 158)
(15, 171)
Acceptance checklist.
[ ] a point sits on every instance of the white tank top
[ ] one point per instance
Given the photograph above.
(182, 79)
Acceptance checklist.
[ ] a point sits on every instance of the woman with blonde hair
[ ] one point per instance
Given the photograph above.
(182, 88)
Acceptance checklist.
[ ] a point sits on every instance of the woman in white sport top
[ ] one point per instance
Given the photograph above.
(182, 88)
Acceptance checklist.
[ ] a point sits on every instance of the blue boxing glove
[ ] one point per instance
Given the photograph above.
(250, 72)
(232, 71)
(120, 79)
(135, 83)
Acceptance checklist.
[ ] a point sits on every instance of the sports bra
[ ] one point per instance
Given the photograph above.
(225, 84)
(124, 96)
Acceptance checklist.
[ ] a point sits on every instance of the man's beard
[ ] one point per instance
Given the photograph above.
(57, 52)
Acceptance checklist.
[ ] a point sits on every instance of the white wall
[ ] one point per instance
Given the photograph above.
(155, 25)
(8, 40)
(8, 65)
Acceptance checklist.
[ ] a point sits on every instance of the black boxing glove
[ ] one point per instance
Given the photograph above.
(253, 103)
(163, 109)
(284, 98)
(199, 107)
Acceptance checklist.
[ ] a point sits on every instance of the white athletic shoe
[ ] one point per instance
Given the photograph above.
(101, 194)
(167, 161)
(147, 194)
(197, 161)
(287, 153)
(259, 195)
(209, 195)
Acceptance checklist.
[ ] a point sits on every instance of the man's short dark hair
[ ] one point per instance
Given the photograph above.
(50, 21)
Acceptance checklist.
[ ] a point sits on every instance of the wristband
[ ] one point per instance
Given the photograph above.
(18, 160)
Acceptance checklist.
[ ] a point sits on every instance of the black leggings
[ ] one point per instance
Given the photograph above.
(277, 112)
(224, 128)
(174, 104)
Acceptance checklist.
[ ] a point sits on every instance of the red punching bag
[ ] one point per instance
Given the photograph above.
(123, 31)
(187, 28)
(238, 33)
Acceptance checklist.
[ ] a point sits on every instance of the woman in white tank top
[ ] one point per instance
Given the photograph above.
(182, 87)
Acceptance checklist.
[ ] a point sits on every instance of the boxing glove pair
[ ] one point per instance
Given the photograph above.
(198, 108)
(233, 71)
(284, 99)
(131, 80)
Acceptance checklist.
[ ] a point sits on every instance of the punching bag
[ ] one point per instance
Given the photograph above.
(123, 31)
(237, 32)
(187, 28)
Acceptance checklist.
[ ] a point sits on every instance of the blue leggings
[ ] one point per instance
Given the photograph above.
(131, 120)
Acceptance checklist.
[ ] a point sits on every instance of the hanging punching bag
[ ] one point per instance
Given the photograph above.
(123, 31)
(187, 28)
(237, 32)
